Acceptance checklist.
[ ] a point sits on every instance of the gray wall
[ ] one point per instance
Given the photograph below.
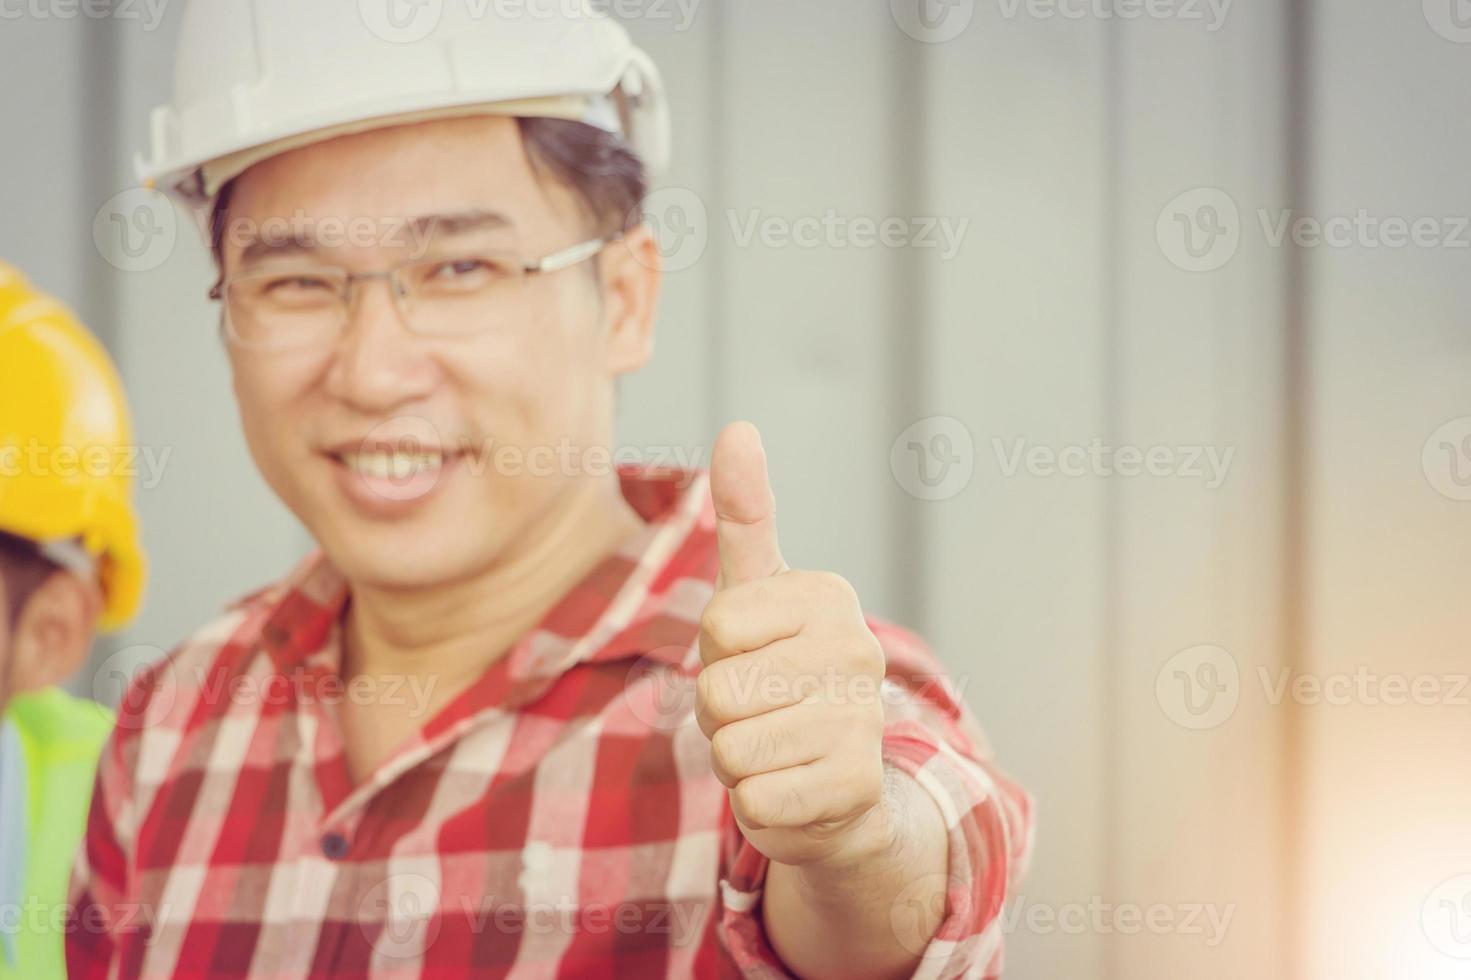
(1077, 610)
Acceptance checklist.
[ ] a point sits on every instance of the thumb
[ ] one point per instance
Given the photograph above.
(745, 510)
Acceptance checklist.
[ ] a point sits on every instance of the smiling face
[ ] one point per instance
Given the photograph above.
(418, 460)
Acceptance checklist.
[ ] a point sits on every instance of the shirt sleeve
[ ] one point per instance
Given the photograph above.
(106, 919)
(930, 736)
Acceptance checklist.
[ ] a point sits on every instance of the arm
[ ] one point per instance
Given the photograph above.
(857, 781)
(945, 920)
(99, 877)
(110, 923)
(873, 914)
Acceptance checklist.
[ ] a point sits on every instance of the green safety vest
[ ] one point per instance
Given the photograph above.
(49, 744)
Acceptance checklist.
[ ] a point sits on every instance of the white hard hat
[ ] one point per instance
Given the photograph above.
(255, 78)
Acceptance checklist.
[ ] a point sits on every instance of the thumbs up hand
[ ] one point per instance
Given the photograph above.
(789, 694)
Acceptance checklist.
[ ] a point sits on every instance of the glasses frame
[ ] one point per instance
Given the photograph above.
(555, 262)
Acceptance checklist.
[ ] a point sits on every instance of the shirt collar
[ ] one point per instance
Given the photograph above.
(615, 611)
(14, 835)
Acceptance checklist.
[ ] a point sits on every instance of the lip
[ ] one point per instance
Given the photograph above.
(377, 444)
(391, 497)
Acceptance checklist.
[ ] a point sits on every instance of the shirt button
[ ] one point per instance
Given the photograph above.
(335, 846)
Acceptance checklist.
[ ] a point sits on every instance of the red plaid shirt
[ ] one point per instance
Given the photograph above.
(559, 818)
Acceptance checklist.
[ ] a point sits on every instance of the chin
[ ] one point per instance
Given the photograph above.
(402, 565)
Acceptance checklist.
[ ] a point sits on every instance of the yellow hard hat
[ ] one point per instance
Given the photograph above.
(66, 442)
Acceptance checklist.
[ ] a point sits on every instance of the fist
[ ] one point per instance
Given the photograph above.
(789, 694)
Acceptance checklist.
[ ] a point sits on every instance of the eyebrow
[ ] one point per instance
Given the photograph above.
(461, 223)
(300, 241)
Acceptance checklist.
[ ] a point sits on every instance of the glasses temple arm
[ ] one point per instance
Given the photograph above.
(580, 252)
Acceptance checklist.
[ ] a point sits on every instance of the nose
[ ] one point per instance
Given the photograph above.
(379, 364)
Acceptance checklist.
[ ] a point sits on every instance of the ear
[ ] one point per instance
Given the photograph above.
(632, 270)
(54, 632)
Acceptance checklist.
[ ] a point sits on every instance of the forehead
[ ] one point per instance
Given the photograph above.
(475, 164)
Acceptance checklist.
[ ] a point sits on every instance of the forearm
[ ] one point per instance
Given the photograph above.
(843, 918)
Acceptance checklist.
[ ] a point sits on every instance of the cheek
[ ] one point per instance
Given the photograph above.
(541, 375)
(575, 345)
(266, 392)
(508, 389)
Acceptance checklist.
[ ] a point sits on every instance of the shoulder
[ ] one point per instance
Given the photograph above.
(166, 701)
(165, 693)
(170, 708)
(918, 685)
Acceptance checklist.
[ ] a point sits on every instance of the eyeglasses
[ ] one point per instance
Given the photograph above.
(294, 307)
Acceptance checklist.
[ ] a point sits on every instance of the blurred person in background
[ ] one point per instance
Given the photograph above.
(525, 712)
(69, 564)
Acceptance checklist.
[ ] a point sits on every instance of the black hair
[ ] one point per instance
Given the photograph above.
(607, 177)
(23, 569)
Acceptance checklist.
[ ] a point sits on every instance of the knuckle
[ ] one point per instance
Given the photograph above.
(784, 807)
(751, 802)
(777, 675)
(709, 651)
(726, 754)
(715, 620)
(834, 586)
(768, 748)
(709, 726)
(871, 654)
(715, 694)
(707, 692)
(740, 801)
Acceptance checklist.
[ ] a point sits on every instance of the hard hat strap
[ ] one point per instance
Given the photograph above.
(70, 556)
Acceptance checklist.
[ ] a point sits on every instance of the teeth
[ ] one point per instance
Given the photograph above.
(397, 466)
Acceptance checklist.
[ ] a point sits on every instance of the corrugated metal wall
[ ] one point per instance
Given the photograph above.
(1111, 188)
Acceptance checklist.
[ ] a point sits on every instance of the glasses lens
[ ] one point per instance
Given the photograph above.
(462, 296)
(278, 310)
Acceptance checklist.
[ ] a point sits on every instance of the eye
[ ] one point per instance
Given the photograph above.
(460, 268)
(464, 273)
(288, 286)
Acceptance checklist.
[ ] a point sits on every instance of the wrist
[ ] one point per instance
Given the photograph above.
(871, 847)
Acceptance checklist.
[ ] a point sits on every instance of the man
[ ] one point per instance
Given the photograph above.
(433, 396)
(69, 563)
